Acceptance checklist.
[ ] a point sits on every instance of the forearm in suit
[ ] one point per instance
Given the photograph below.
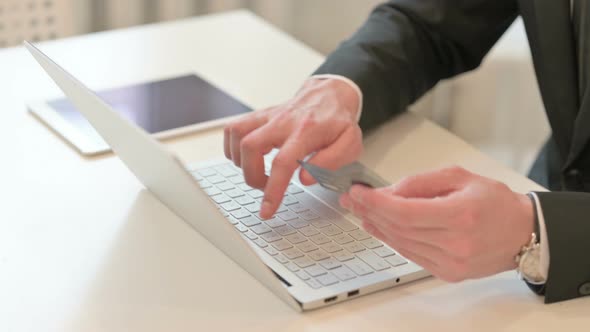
(407, 46)
(567, 219)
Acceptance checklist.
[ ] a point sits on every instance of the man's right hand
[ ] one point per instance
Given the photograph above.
(321, 118)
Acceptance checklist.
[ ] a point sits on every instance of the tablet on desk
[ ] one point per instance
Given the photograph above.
(164, 108)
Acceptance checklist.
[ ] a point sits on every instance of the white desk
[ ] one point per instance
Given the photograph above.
(83, 247)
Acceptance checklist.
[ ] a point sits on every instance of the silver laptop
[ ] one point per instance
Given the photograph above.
(309, 254)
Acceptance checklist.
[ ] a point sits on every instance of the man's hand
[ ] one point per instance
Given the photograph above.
(456, 224)
(321, 118)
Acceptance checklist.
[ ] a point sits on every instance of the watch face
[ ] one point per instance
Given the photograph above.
(530, 264)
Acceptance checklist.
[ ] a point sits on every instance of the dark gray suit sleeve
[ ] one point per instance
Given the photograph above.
(567, 219)
(406, 46)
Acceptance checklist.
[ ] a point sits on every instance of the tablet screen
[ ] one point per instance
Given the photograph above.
(160, 106)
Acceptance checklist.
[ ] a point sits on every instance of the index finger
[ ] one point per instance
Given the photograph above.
(283, 167)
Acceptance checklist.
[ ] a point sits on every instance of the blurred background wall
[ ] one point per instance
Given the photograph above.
(497, 108)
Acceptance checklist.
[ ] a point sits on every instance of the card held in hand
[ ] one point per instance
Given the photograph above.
(342, 179)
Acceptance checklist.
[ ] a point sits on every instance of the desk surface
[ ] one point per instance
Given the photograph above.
(83, 247)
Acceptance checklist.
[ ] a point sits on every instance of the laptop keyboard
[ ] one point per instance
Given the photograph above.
(312, 240)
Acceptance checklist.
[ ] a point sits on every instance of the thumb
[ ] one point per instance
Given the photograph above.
(432, 184)
(344, 150)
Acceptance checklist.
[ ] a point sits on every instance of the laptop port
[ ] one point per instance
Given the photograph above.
(353, 293)
(330, 299)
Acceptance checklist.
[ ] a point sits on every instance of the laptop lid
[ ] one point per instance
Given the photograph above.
(163, 174)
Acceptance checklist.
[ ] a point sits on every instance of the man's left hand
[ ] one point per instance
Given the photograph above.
(456, 224)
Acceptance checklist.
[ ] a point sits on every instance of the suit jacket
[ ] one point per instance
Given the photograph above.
(407, 46)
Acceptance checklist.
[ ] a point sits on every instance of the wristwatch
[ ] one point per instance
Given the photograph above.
(528, 259)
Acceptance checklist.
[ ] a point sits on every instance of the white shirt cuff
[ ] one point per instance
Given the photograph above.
(543, 241)
(351, 84)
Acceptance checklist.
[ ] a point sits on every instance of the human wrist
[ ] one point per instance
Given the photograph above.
(347, 92)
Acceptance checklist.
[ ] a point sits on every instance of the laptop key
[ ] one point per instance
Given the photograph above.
(225, 171)
(318, 255)
(289, 200)
(303, 262)
(296, 238)
(309, 215)
(225, 185)
(241, 213)
(374, 261)
(212, 191)
(244, 187)
(281, 259)
(261, 243)
(359, 267)
(221, 198)
(315, 270)
(275, 222)
(246, 200)
(308, 231)
(302, 275)
(396, 260)
(255, 193)
(292, 253)
(331, 230)
(215, 179)
(252, 208)
(344, 225)
(271, 251)
(298, 223)
(204, 184)
(343, 273)
(241, 228)
(330, 263)
(233, 193)
(292, 266)
(384, 252)
(251, 235)
(359, 235)
(285, 230)
(232, 220)
(281, 245)
(250, 221)
(320, 239)
(293, 189)
(260, 229)
(342, 239)
(271, 236)
(230, 206)
(287, 215)
(372, 243)
(354, 247)
(343, 256)
(206, 172)
(298, 208)
(313, 283)
(307, 246)
(331, 247)
(327, 279)
(321, 223)
(238, 179)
